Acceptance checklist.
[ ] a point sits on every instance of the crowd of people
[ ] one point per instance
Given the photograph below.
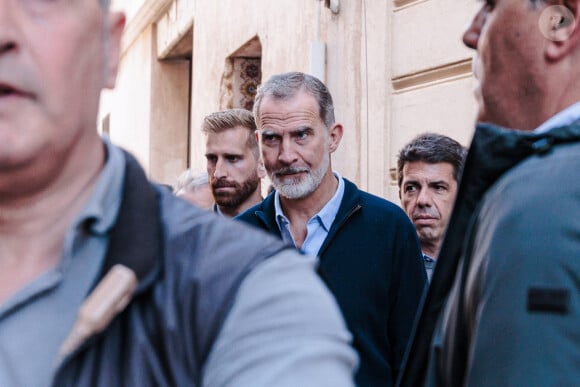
(108, 279)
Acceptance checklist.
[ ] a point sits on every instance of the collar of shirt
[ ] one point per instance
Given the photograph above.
(429, 266)
(99, 214)
(427, 258)
(565, 117)
(318, 226)
(103, 206)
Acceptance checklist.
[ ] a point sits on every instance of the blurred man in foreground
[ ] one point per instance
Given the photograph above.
(173, 299)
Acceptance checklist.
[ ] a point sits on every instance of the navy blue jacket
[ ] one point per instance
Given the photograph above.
(371, 261)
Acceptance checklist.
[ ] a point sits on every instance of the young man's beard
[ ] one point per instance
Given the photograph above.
(240, 194)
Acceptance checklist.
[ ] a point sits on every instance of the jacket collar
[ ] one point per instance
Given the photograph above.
(350, 204)
(266, 213)
(493, 151)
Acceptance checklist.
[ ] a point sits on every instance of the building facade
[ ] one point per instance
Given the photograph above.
(395, 68)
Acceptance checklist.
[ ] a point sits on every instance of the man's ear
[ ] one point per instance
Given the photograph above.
(261, 169)
(559, 24)
(115, 25)
(334, 137)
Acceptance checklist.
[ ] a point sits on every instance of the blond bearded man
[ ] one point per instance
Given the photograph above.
(234, 166)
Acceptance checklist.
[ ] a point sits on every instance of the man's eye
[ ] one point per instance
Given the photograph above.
(440, 187)
(410, 188)
(270, 139)
(233, 159)
(490, 4)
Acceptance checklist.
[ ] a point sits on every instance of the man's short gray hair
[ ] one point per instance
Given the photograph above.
(287, 85)
(189, 181)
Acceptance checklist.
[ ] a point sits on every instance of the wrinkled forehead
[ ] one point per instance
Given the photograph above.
(288, 113)
(291, 124)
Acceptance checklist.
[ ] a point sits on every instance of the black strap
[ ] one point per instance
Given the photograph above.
(136, 239)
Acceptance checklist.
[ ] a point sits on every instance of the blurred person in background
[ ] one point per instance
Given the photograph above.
(194, 187)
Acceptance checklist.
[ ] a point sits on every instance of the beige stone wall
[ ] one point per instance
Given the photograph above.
(430, 73)
(129, 105)
(395, 69)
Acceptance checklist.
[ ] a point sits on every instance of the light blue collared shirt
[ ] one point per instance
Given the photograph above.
(429, 266)
(565, 117)
(318, 226)
(35, 320)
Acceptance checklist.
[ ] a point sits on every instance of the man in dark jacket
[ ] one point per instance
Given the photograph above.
(109, 280)
(368, 250)
(503, 308)
(428, 170)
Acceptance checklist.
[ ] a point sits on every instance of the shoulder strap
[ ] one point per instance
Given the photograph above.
(136, 239)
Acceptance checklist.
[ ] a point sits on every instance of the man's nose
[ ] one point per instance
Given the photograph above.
(221, 169)
(287, 154)
(473, 32)
(424, 198)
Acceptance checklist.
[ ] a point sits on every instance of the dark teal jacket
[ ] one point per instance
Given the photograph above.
(371, 261)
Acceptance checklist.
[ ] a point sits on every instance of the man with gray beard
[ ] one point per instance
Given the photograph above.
(369, 255)
(233, 161)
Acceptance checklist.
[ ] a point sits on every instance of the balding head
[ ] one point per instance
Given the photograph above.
(527, 65)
